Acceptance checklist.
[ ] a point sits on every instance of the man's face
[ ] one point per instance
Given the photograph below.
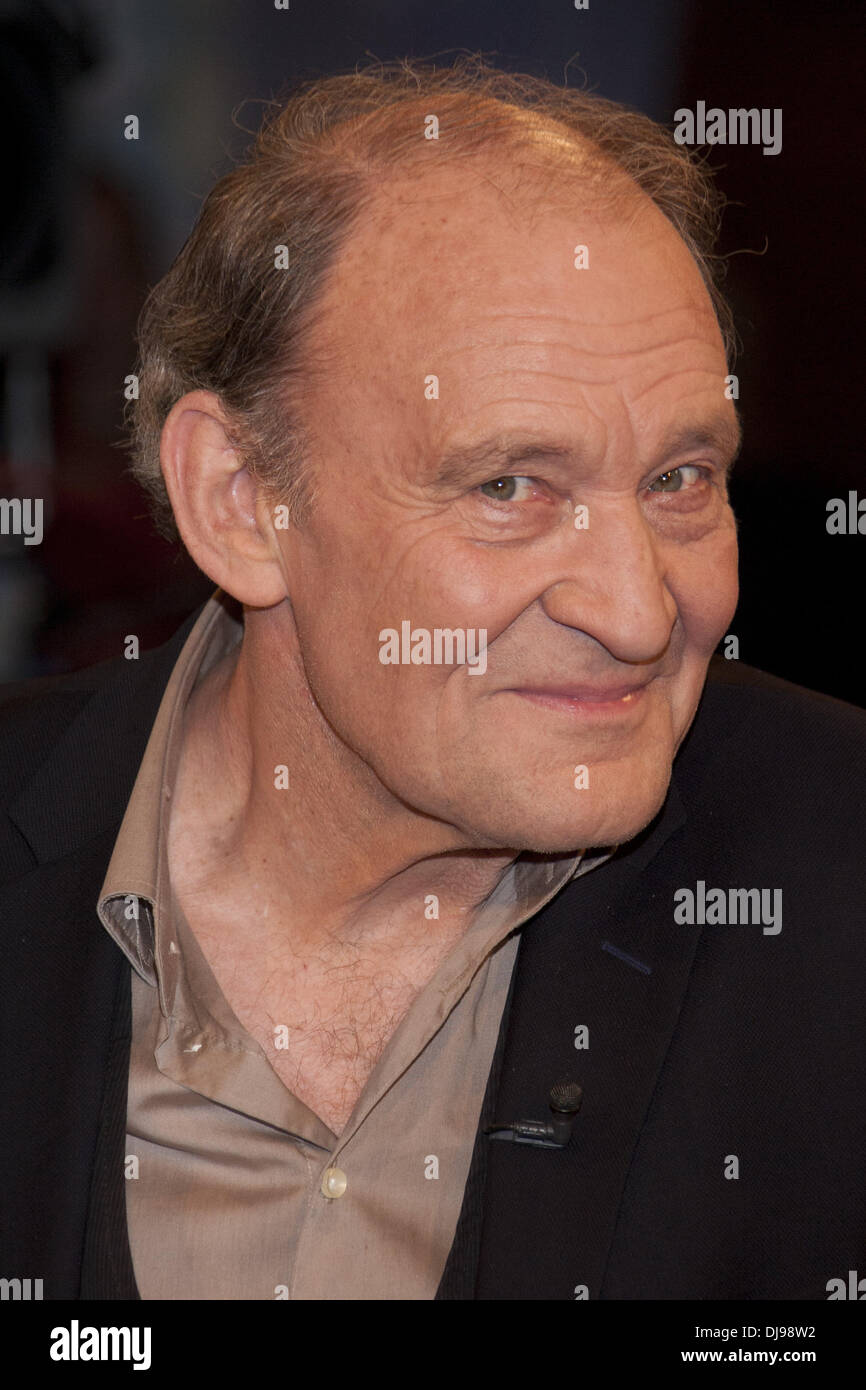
(608, 381)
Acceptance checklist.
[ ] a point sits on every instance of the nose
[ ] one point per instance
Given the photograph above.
(613, 584)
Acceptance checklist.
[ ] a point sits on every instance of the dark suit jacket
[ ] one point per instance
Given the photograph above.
(705, 1043)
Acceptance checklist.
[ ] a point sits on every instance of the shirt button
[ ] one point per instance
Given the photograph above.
(334, 1182)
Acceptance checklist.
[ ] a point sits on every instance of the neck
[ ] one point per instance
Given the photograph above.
(323, 851)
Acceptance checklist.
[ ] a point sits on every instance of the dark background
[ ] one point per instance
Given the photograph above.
(91, 220)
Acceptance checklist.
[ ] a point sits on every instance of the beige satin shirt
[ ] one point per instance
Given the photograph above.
(235, 1189)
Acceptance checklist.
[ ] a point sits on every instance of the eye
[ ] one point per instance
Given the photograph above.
(503, 489)
(672, 481)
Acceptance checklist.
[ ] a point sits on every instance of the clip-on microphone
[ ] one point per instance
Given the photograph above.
(565, 1101)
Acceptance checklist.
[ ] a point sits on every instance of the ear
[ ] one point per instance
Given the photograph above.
(223, 518)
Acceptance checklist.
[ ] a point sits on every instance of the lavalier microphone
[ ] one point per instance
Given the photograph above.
(565, 1101)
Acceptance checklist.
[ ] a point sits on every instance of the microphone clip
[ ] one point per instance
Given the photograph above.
(565, 1100)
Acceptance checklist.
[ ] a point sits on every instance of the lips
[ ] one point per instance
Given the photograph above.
(583, 694)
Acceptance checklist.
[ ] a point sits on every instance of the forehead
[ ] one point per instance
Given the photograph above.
(468, 273)
(441, 244)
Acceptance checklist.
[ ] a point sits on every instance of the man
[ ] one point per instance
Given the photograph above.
(307, 910)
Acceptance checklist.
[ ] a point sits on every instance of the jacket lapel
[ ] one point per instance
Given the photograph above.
(56, 1029)
(65, 1018)
(606, 956)
(106, 1268)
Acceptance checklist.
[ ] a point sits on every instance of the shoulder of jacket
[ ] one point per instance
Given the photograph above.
(760, 740)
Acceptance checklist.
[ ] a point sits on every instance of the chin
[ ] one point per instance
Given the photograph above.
(557, 830)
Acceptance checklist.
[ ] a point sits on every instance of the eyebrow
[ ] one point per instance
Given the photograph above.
(501, 453)
(721, 433)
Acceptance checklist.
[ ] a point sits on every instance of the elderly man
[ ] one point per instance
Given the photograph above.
(383, 935)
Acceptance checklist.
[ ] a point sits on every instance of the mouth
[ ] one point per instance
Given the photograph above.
(593, 701)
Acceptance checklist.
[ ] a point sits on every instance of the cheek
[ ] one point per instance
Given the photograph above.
(446, 583)
(706, 590)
